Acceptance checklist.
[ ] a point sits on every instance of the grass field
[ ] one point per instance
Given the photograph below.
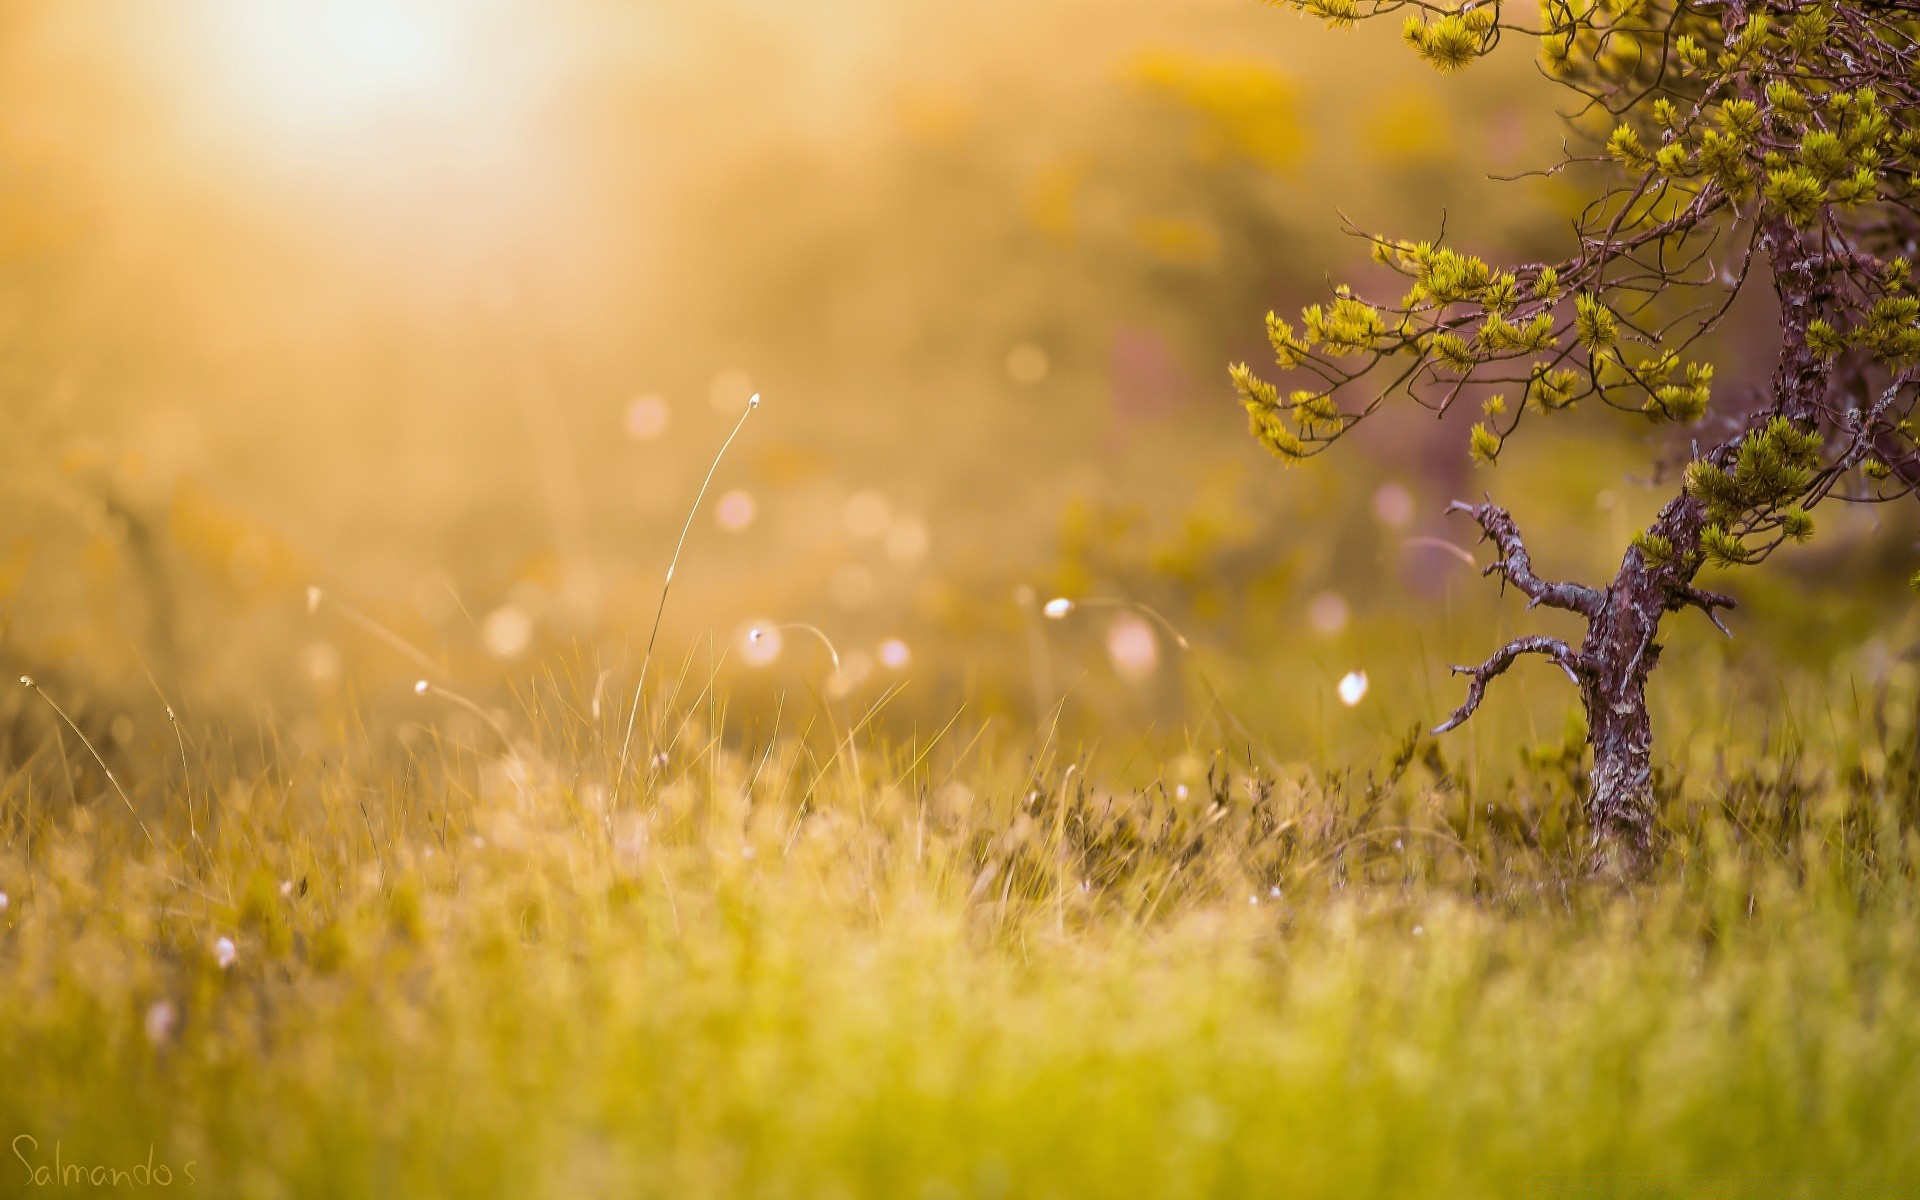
(444, 318)
(396, 964)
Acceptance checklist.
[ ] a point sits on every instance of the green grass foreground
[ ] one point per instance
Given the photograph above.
(458, 974)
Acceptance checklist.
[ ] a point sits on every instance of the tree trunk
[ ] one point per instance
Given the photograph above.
(1620, 804)
(1621, 651)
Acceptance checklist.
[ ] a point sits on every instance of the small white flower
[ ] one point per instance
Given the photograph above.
(1253, 899)
(1419, 931)
(1274, 891)
(4, 902)
(1353, 688)
(160, 1019)
(286, 888)
(1058, 607)
(420, 687)
(224, 952)
(1180, 792)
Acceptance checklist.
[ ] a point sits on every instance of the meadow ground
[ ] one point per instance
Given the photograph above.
(396, 961)
(450, 309)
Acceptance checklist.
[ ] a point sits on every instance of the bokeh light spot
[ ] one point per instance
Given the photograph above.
(507, 631)
(867, 514)
(1328, 614)
(647, 417)
(320, 663)
(854, 669)
(1132, 647)
(907, 540)
(1393, 504)
(1027, 364)
(735, 511)
(852, 586)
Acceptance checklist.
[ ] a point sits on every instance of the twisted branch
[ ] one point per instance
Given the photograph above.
(1571, 661)
(1515, 565)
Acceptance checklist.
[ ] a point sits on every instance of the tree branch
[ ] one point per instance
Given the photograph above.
(1686, 594)
(1570, 660)
(1515, 565)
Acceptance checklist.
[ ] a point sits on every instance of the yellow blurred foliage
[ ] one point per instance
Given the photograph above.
(786, 464)
(1403, 127)
(13, 568)
(1051, 198)
(1172, 240)
(231, 548)
(935, 114)
(1249, 108)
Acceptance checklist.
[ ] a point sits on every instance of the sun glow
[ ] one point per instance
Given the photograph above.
(416, 127)
(339, 67)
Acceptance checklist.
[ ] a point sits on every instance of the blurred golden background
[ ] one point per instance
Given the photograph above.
(445, 308)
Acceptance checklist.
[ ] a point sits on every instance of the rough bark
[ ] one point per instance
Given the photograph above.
(1621, 651)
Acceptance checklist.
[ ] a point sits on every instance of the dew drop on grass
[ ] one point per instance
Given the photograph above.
(759, 643)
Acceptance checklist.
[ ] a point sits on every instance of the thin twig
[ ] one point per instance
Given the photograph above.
(626, 744)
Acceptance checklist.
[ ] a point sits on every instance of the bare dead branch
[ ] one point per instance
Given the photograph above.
(1687, 595)
(1569, 659)
(1515, 565)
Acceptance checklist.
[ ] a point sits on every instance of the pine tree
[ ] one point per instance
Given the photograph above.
(1763, 143)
